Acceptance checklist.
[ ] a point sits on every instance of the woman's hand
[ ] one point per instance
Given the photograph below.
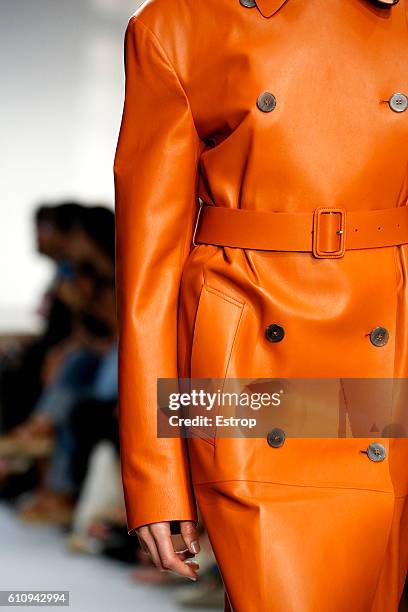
(156, 540)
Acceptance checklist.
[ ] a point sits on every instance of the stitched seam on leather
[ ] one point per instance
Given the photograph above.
(156, 39)
(397, 264)
(243, 309)
(229, 361)
(286, 484)
(203, 436)
(345, 403)
(224, 296)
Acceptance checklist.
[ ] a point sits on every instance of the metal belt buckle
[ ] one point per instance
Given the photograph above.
(320, 232)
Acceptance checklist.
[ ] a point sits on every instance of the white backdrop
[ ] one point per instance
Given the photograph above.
(61, 65)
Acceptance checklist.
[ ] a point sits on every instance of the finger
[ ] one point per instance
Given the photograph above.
(142, 545)
(187, 558)
(190, 536)
(193, 565)
(150, 544)
(179, 544)
(168, 558)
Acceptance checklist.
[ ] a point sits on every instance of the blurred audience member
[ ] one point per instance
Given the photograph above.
(62, 362)
(21, 367)
(70, 370)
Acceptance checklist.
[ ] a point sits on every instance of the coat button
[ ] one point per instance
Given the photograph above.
(274, 333)
(379, 336)
(266, 102)
(276, 437)
(376, 452)
(398, 102)
(248, 3)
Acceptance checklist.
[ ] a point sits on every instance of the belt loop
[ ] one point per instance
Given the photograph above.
(201, 204)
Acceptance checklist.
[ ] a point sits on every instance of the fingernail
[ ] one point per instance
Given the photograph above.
(193, 579)
(195, 547)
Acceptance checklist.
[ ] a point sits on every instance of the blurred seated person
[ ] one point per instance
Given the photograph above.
(67, 366)
(22, 364)
(86, 385)
(90, 254)
(71, 368)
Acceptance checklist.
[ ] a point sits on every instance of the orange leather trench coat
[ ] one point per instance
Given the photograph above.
(312, 526)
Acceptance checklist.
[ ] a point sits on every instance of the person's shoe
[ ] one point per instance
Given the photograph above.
(47, 507)
(80, 543)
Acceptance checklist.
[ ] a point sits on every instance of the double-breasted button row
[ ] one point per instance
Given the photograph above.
(379, 336)
(376, 452)
(266, 101)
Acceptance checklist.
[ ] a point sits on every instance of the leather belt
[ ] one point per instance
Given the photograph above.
(327, 232)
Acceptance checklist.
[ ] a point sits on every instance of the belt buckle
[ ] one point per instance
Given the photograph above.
(319, 232)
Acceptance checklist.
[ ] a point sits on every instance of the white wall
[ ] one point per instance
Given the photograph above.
(61, 66)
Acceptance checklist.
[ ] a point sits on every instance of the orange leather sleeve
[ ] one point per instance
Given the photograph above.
(156, 205)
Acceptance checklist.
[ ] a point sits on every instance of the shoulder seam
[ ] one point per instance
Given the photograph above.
(156, 39)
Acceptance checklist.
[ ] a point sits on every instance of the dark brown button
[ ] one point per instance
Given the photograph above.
(266, 102)
(379, 336)
(274, 333)
(276, 437)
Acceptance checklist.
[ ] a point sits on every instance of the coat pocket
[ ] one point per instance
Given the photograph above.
(214, 339)
(215, 330)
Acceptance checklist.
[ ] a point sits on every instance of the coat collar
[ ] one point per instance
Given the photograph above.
(269, 7)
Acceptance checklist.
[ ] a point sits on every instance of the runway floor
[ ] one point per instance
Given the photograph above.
(34, 558)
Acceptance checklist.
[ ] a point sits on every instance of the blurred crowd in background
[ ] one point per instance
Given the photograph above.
(59, 442)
